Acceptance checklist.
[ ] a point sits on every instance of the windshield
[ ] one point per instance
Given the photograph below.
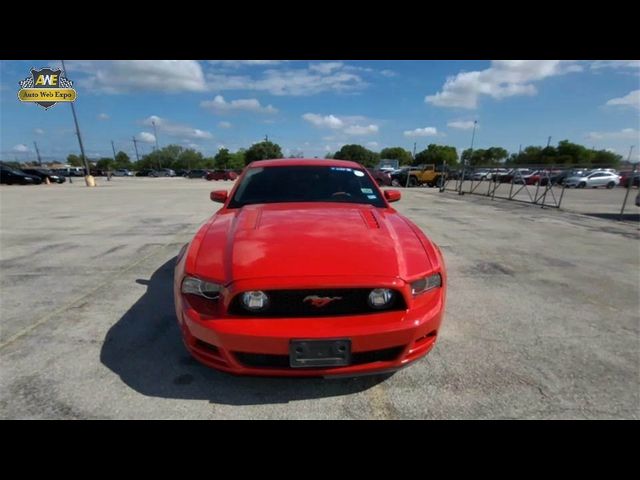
(301, 183)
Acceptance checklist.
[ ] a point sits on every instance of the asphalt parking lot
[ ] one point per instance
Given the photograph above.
(542, 318)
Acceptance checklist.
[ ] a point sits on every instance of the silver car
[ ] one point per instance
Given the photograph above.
(593, 179)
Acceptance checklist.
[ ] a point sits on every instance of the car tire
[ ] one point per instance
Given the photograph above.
(581, 185)
(413, 182)
(610, 185)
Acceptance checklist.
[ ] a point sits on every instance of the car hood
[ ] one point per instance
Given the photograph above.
(298, 240)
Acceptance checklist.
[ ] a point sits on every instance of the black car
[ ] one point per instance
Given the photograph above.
(199, 173)
(10, 176)
(147, 172)
(44, 173)
(181, 172)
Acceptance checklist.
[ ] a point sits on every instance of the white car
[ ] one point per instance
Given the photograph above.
(594, 179)
(123, 172)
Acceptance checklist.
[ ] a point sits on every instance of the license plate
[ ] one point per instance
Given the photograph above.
(319, 353)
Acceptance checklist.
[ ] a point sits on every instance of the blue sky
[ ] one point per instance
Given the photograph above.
(312, 107)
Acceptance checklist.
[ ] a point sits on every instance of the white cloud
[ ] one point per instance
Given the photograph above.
(504, 78)
(20, 148)
(422, 132)
(617, 64)
(242, 63)
(176, 129)
(632, 99)
(146, 137)
(220, 105)
(372, 144)
(121, 76)
(461, 124)
(103, 116)
(330, 121)
(224, 124)
(388, 73)
(290, 81)
(361, 129)
(326, 67)
(624, 134)
(348, 125)
(38, 131)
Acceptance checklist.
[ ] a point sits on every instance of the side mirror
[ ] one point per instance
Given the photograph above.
(219, 196)
(392, 195)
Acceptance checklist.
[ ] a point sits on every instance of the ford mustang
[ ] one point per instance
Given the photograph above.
(306, 270)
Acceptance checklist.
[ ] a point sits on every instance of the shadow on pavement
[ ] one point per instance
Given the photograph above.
(145, 349)
(626, 217)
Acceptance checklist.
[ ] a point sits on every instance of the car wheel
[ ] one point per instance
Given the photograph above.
(395, 183)
(581, 185)
(610, 185)
(413, 182)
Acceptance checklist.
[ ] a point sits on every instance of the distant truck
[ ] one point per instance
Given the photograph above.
(427, 175)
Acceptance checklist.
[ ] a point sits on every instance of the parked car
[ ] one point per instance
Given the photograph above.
(10, 176)
(630, 179)
(146, 172)
(594, 180)
(181, 172)
(514, 175)
(198, 173)
(381, 176)
(122, 172)
(164, 172)
(221, 175)
(99, 172)
(481, 174)
(324, 277)
(44, 173)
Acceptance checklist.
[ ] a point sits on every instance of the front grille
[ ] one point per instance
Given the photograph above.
(262, 360)
(291, 303)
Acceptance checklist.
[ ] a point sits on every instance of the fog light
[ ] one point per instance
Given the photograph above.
(255, 300)
(380, 298)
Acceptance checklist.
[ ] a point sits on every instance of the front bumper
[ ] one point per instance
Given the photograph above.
(260, 346)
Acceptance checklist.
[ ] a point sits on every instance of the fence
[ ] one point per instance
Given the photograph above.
(546, 186)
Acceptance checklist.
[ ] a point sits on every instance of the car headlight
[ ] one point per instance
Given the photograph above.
(195, 286)
(380, 298)
(255, 300)
(425, 284)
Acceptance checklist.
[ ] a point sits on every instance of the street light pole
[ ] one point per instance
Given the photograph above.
(75, 121)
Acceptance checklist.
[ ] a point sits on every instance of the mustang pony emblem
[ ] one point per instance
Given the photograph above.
(319, 302)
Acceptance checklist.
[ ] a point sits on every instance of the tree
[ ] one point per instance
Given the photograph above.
(605, 158)
(222, 158)
(122, 161)
(437, 154)
(357, 153)
(75, 160)
(397, 153)
(105, 163)
(262, 151)
(237, 159)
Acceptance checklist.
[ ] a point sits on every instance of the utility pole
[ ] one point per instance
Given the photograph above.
(37, 153)
(114, 151)
(266, 138)
(155, 133)
(464, 164)
(548, 141)
(75, 121)
(414, 150)
(135, 145)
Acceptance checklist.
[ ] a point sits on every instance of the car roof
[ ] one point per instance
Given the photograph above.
(288, 162)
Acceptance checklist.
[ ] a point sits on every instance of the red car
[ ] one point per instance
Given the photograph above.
(306, 270)
(221, 175)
